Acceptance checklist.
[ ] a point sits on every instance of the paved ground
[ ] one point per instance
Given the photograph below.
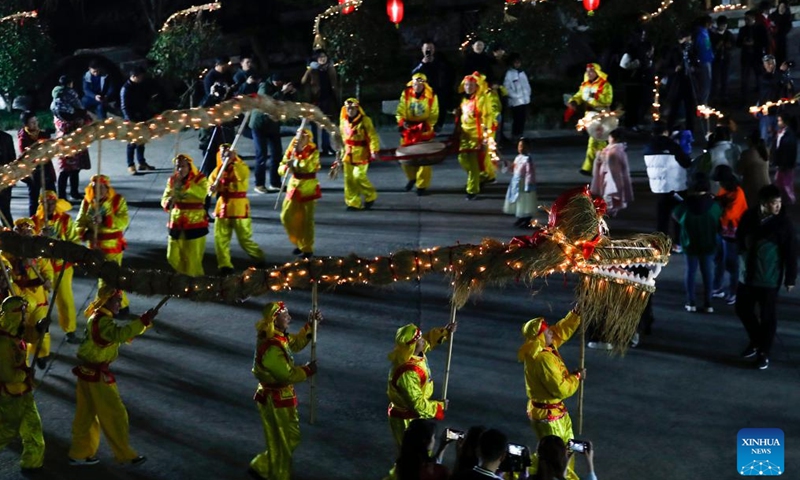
(669, 409)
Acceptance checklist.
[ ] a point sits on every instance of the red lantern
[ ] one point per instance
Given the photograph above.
(591, 5)
(394, 8)
(346, 10)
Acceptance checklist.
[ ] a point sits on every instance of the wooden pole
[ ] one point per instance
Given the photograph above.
(47, 320)
(42, 196)
(583, 365)
(97, 193)
(287, 175)
(314, 324)
(453, 311)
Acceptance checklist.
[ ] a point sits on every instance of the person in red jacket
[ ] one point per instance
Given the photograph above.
(732, 199)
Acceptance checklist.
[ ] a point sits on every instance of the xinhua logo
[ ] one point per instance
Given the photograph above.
(759, 451)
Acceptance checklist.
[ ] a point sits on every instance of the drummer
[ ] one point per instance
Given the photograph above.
(417, 113)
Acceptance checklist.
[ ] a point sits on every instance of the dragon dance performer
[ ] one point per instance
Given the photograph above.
(184, 198)
(60, 226)
(232, 212)
(476, 117)
(596, 94)
(98, 404)
(417, 113)
(361, 145)
(547, 380)
(410, 383)
(301, 160)
(28, 284)
(277, 373)
(18, 414)
(110, 220)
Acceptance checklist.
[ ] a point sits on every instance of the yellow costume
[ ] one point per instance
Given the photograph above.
(61, 227)
(232, 213)
(98, 404)
(113, 222)
(410, 383)
(360, 143)
(18, 414)
(547, 380)
(416, 116)
(28, 284)
(297, 213)
(476, 117)
(596, 96)
(277, 403)
(188, 223)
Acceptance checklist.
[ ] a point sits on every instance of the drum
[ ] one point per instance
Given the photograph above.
(422, 154)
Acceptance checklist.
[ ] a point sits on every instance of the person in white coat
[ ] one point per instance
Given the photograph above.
(519, 94)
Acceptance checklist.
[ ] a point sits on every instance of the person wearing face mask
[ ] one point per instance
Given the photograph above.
(184, 199)
(595, 94)
(60, 226)
(106, 211)
(277, 373)
(301, 161)
(410, 384)
(474, 122)
(417, 113)
(32, 279)
(361, 145)
(18, 414)
(547, 380)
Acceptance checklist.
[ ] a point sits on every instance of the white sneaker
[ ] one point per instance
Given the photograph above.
(690, 308)
(260, 189)
(600, 345)
(272, 189)
(635, 340)
(83, 462)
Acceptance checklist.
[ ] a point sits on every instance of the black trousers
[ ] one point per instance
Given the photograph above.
(73, 177)
(518, 115)
(665, 203)
(5, 204)
(760, 324)
(35, 188)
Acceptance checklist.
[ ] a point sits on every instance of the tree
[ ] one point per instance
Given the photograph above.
(363, 44)
(178, 50)
(25, 52)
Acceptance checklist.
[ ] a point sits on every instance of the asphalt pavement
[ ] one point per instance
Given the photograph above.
(669, 409)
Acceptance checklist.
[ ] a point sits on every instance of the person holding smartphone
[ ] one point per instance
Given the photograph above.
(554, 457)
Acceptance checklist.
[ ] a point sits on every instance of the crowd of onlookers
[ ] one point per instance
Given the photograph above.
(482, 454)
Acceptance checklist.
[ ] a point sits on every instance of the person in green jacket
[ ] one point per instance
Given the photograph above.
(699, 218)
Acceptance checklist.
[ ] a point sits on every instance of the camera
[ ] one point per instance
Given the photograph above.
(790, 63)
(428, 53)
(451, 434)
(518, 457)
(219, 89)
(578, 446)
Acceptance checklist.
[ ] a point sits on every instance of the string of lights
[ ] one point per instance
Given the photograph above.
(708, 112)
(319, 40)
(665, 4)
(19, 16)
(208, 7)
(729, 8)
(764, 109)
(656, 111)
(166, 123)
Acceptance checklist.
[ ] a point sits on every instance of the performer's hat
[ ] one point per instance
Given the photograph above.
(407, 335)
(20, 222)
(534, 328)
(104, 294)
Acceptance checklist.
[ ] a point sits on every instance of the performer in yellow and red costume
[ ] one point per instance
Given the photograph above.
(417, 113)
(18, 414)
(595, 94)
(98, 405)
(110, 220)
(301, 161)
(547, 380)
(277, 373)
(184, 198)
(60, 226)
(32, 279)
(475, 120)
(410, 384)
(361, 145)
(232, 213)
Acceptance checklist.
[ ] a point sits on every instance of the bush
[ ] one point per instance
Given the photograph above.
(10, 120)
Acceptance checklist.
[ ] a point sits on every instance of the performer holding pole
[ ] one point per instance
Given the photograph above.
(277, 373)
(301, 162)
(547, 380)
(297, 145)
(98, 404)
(410, 384)
(417, 113)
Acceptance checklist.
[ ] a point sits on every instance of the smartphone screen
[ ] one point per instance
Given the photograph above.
(515, 450)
